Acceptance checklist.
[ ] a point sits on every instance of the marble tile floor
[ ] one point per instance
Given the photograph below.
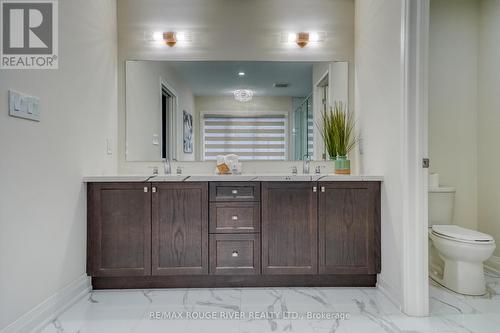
(250, 310)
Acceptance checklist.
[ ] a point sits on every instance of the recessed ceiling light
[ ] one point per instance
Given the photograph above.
(241, 73)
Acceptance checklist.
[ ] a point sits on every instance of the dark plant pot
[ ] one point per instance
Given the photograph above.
(342, 166)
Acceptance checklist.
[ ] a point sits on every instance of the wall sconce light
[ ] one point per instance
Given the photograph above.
(302, 39)
(169, 38)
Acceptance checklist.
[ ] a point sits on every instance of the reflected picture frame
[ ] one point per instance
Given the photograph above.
(187, 120)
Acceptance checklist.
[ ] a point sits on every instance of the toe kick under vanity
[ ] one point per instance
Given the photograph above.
(177, 234)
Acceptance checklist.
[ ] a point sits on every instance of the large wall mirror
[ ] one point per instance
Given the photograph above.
(196, 110)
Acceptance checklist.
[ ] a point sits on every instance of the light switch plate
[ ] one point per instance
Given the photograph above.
(24, 106)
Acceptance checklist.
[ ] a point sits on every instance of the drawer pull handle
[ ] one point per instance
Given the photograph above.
(145, 189)
(323, 189)
(235, 254)
(235, 217)
(234, 191)
(315, 189)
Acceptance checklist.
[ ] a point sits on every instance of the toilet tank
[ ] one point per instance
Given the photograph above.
(441, 202)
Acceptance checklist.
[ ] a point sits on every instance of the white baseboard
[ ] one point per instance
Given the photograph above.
(38, 317)
(388, 292)
(493, 264)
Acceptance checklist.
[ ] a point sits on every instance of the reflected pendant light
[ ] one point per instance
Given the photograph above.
(243, 95)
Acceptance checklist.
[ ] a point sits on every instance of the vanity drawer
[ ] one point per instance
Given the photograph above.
(235, 254)
(234, 217)
(234, 191)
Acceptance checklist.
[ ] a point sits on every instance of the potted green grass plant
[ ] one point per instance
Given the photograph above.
(327, 130)
(338, 133)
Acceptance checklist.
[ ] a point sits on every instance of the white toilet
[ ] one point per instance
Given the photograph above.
(456, 254)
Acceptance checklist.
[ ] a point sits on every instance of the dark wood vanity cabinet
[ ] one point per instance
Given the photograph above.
(289, 228)
(235, 228)
(325, 228)
(233, 234)
(137, 229)
(119, 229)
(179, 228)
(349, 227)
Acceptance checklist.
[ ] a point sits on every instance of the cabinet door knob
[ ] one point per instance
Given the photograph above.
(235, 217)
(153, 189)
(234, 191)
(323, 189)
(145, 189)
(235, 253)
(315, 189)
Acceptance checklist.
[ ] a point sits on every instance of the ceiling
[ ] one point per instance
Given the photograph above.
(215, 78)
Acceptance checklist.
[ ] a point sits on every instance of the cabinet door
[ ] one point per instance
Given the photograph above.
(349, 228)
(289, 228)
(119, 229)
(180, 228)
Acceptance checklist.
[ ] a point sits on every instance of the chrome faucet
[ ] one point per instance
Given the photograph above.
(167, 167)
(306, 164)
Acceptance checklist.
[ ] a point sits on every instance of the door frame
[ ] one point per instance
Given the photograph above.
(415, 16)
(172, 117)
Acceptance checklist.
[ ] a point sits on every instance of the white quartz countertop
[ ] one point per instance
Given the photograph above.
(230, 178)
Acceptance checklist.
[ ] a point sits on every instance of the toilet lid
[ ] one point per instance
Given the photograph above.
(460, 233)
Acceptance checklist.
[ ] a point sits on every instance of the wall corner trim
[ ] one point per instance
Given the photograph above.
(42, 314)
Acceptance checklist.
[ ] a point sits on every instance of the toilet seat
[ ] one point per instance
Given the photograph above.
(460, 234)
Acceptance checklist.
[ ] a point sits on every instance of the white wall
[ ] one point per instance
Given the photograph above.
(489, 120)
(453, 101)
(378, 100)
(42, 206)
(143, 118)
(229, 30)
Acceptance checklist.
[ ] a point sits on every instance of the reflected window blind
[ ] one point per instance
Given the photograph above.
(310, 135)
(251, 138)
